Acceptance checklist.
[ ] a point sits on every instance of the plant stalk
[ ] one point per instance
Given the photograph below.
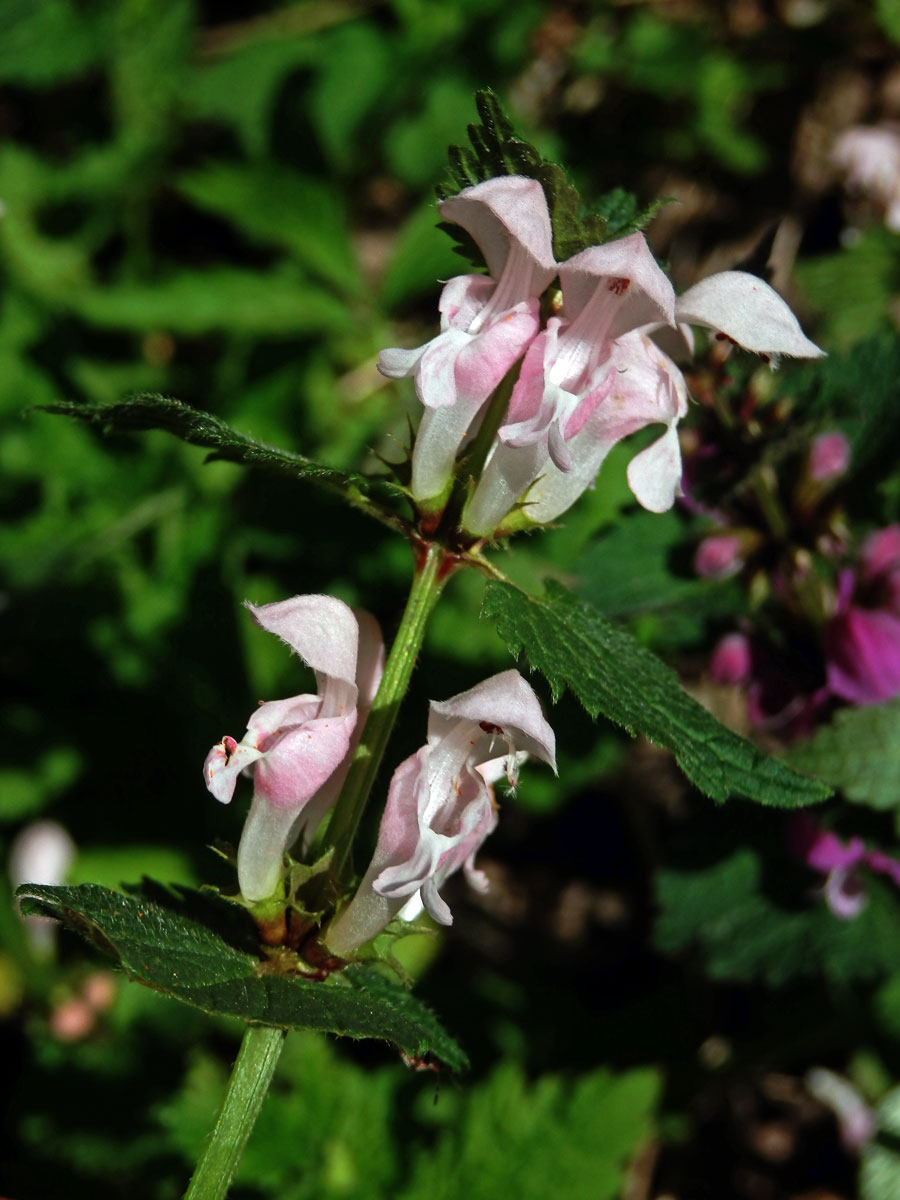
(428, 581)
(247, 1088)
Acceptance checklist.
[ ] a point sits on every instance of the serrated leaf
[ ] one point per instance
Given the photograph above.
(203, 429)
(879, 1176)
(573, 646)
(559, 1138)
(859, 753)
(200, 949)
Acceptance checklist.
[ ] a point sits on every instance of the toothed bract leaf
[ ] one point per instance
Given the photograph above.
(495, 151)
(573, 646)
(201, 950)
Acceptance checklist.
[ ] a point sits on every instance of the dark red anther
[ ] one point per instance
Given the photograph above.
(489, 728)
(619, 286)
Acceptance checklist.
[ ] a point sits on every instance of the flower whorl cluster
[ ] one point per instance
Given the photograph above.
(440, 804)
(592, 376)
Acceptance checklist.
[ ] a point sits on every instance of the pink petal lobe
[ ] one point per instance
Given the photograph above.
(302, 760)
(482, 363)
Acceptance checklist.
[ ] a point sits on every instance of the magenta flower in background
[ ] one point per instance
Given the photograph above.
(732, 660)
(487, 321)
(862, 639)
(440, 805)
(299, 750)
(829, 457)
(719, 556)
(823, 851)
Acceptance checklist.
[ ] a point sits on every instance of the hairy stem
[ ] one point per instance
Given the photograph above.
(430, 576)
(250, 1079)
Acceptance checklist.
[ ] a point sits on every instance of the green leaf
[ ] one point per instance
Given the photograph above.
(859, 753)
(746, 935)
(202, 950)
(626, 570)
(276, 304)
(417, 259)
(51, 42)
(853, 288)
(573, 646)
(276, 205)
(550, 1138)
(879, 1176)
(203, 429)
(339, 113)
(887, 13)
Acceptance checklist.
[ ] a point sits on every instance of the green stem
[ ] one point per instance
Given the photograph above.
(428, 581)
(250, 1079)
(765, 488)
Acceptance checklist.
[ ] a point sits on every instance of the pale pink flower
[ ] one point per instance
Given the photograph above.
(857, 1123)
(870, 155)
(594, 376)
(298, 750)
(487, 321)
(440, 806)
(42, 852)
(829, 457)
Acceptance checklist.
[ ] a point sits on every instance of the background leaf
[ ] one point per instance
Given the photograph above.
(859, 753)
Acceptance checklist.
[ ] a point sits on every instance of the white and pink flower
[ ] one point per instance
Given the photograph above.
(298, 750)
(440, 805)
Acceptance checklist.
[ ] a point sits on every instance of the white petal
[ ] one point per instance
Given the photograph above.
(262, 847)
(749, 312)
(506, 701)
(324, 632)
(502, 210)
(397, 363)
(654, 475)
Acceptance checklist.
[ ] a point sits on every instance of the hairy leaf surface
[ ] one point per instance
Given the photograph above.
(201, 950)
(573, 646)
